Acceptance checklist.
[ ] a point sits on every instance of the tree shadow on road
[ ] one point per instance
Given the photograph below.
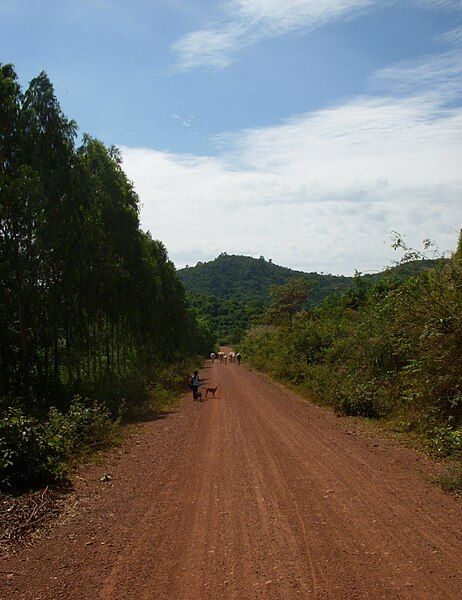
(154, 415)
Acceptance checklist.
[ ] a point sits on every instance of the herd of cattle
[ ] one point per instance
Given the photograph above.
(224, 358)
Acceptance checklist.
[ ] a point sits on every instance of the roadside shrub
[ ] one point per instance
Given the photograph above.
(86, 425)
(447, 441)
(149, 392)
(34, 453)
(133, 397)
(451, 479)
(27, 459)
(360, 399)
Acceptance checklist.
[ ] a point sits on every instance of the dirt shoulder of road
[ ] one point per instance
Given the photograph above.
(377, 431)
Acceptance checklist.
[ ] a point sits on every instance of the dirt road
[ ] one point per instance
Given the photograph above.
(253, 494)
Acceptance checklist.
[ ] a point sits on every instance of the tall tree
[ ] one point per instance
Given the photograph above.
(85, 294)
(287, 300)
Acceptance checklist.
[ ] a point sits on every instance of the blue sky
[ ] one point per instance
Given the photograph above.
(304, 130)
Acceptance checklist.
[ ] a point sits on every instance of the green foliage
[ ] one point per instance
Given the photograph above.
(85, 293)
(393, 347)
(26, 457)
(248, 280)
(356, 398)
(230, 293)
(451, 479)
(86, 424)
(447, 441)
(225, 320)
(288, 300)
(34, 452)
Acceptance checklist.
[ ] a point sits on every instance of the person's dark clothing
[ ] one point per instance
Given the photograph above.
(194, 383)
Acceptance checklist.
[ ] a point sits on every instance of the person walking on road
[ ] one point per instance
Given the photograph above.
(213, 357)
(238, 358)
(194, 384)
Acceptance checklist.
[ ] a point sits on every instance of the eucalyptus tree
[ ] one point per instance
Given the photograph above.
(85, 294)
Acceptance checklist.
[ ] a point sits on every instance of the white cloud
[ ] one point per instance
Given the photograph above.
(283, 15)
(441, 72)
(206, 47)
(454, 36)
(323, 190)
(251, 20)
(248, 21)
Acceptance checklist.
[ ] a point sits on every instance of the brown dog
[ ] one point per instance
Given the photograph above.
(212, 390)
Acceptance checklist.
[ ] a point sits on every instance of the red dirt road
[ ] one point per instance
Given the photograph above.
(253, 494)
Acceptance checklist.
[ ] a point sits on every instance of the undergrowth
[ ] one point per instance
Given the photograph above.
(451, 479)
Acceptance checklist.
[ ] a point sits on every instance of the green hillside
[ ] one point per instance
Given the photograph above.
(247, 280)
(231, 292)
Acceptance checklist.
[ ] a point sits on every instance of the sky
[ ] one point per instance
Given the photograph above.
(306, 131)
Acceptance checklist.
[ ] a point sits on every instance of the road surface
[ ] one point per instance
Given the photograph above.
(254, 494)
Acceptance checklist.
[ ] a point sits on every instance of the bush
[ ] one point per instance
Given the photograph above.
(360, 399)
(35, 453)
(27, 458)
(447, 441)
(86, 425)
(451, 480)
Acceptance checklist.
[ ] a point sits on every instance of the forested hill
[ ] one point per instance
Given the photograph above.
(247, 280)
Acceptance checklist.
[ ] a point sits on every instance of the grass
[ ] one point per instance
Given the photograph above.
(451, 479)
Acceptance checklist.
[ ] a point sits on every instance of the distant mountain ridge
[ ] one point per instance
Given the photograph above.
(247, 280)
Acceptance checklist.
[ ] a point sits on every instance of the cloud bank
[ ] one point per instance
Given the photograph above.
(323, 190)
